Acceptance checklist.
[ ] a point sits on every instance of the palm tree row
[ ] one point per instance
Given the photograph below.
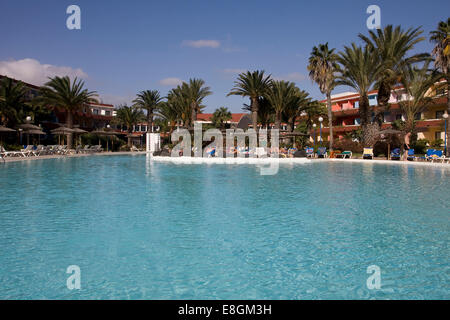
(381, 63)
(272, 100)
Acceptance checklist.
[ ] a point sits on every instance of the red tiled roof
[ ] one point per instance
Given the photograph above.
(235, 117)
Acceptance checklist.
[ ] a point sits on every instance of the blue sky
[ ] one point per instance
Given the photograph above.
(127, 46)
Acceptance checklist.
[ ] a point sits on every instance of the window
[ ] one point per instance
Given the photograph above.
(398, 116)
(373, 100)
(439, 114)
(438, 135)
(357, 121)
(108, 113)
(356, 105)
(95, 111)
(143, 128)
(418, 116)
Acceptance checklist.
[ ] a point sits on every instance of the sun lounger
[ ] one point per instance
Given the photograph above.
(28, 151)
(309, 152)
(411, 155)
(11, 153)
(344, 155)
(395, 154)
(96, 148)
(322, 152)
(428, 155)
(438, 155)
(368, 153)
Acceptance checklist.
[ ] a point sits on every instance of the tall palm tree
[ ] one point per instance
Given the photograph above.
(150, 101)
(253, 85)
(441, 54)
(12, 101)
(169, 113)
(299, 103)
(179, 103)
(417, 83)
(60, 92)
(322, 68)
(195, 91)
(359, 68)
(220, 116)
(392, 45)
(129, 116)
(280, 95)
(265, 111)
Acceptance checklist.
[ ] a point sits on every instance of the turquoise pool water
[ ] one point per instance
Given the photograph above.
(141, 230)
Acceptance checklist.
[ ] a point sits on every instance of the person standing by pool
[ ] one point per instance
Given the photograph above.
(406, 147)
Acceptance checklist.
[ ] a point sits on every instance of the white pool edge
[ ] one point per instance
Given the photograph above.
(198, 160)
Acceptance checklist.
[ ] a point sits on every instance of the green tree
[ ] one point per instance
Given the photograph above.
(417, 83)
(150, 101)
(195, 91)
(393, 47)
(253, 85)
(12, 101)
(441, 54)
(359, 68)
(281, 95)
(71, 96)
(220, 116)
(129, 116)
(322, 68)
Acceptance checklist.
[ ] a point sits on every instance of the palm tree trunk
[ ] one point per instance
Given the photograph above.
(69, 125)
(194, 114)
(129, 139)
(149, 121)
(255, 108)
(278, 120)
(364, 117)
(330, 119)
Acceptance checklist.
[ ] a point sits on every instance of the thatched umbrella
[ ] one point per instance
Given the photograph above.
(389, 133)
(38, 132)
(104, 133)
(79, 131)
(62, 131)
(5, 129)
(27, 127)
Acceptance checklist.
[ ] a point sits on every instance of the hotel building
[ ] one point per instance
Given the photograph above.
(345, 108)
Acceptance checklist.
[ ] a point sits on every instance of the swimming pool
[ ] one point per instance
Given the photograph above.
(145, 230)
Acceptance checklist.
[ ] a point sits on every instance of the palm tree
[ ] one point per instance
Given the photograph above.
(322, 68)
(359, 69)
(195, 91)
(169, 114)
(220, 116)
(265, 111)
(129, 116)
(417, 83)
(12, 101)
(253, 85)
(150, 101)
(180, 104)
(441, 54)
(280, 95)
(392, 45)
(299, 103)
(60, 92)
